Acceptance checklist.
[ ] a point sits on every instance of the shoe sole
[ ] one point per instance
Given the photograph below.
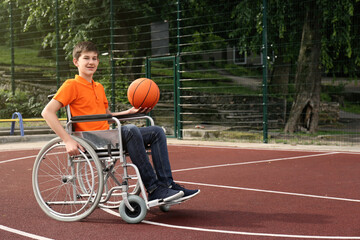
(174, 197)
(187, 197)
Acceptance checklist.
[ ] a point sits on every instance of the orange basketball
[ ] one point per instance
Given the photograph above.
(143, 93)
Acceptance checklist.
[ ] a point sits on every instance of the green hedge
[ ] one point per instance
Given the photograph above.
(20, 102)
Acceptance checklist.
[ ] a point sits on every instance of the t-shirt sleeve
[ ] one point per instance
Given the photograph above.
(106, 102)
(66, 93)
(103, 95)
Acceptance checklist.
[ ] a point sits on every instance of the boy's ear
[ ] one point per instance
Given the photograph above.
(75, 61)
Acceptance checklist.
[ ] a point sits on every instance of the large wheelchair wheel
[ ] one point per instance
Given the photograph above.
(63, 193)
(139, 206)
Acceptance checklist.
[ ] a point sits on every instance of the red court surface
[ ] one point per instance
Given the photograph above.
(245, 194)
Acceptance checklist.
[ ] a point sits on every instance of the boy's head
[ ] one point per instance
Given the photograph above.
(84, 47)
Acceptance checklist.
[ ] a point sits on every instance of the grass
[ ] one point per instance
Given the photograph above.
(24, 56)
(318, 133)
(207, 80)
(242, 71)
(351, 107)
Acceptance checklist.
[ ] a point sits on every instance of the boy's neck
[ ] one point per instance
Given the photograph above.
(86, 77)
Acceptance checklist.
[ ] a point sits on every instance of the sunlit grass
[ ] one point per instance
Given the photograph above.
(24, 56)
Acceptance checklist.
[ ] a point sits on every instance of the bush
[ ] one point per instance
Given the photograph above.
(20, 102)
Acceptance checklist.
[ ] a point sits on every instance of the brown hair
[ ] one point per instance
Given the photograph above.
(85, 46)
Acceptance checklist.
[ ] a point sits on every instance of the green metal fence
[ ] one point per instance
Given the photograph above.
(231, 70)
(168, 110)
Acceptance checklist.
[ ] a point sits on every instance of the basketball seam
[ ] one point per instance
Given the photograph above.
(133, 97)
(146, 94)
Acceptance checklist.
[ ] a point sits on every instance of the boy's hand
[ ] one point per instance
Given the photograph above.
(144, 110)
(139, 110)
(130, 111)
(72, 147)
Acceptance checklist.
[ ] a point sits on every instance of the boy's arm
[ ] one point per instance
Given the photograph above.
(129, 111)
(49, 114)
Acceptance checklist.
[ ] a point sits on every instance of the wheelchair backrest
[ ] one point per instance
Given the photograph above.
(99, 140)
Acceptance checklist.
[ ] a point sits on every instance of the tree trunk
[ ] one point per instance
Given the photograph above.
(304, 114)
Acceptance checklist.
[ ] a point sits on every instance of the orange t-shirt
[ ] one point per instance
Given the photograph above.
(84, 98)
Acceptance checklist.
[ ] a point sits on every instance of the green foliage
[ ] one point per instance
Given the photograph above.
(73, 27)
(325, 97)
(202, 41)
(20, 102)
(248, 19)
(242, 71)
(339, 43)
(353, 107)
(24, 56)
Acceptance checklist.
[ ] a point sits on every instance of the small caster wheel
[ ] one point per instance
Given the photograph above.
(139, 212)
(164, 208)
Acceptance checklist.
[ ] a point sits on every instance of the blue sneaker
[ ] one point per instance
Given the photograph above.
(187, 192)
(165, 194)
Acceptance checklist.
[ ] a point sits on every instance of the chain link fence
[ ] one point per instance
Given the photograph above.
(227, 70)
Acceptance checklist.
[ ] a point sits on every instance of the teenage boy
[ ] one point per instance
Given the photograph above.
(87, 97)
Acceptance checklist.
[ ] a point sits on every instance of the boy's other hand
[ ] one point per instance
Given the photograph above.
(130, 111)
(144, 110)
(139, 110)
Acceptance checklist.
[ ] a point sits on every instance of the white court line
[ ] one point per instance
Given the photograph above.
(233, 232)
(17, 159)
(25, 234)
(254, 162)
(271, 191)
(223, 165)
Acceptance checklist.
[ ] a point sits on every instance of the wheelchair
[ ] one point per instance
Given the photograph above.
(69, 188)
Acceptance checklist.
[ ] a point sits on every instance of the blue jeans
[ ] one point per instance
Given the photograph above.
(134, 140)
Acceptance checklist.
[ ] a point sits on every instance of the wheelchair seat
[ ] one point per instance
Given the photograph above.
(100, 140)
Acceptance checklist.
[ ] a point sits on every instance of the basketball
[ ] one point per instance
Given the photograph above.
(143, 93)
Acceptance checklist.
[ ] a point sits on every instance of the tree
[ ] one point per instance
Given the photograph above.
(326, 37)
(327, 31)
(321, 39)
(78, 21)
(308, 76)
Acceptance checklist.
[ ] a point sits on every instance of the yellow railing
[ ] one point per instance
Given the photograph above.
(21, 121)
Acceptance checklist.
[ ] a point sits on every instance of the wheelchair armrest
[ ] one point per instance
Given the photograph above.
(134, 115)
(109, 117)
(129, 117)
(51, 96)
(92, 117)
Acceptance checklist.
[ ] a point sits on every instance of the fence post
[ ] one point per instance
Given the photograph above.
(12, 49)
(57, 43)
(178, 126)
(265, 72)
(112, 62)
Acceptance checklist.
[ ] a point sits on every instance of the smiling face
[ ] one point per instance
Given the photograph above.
(87, 64)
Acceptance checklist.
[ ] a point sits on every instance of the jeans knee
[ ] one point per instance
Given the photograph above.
(159, 131)
(131, 127)
(130, 130)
